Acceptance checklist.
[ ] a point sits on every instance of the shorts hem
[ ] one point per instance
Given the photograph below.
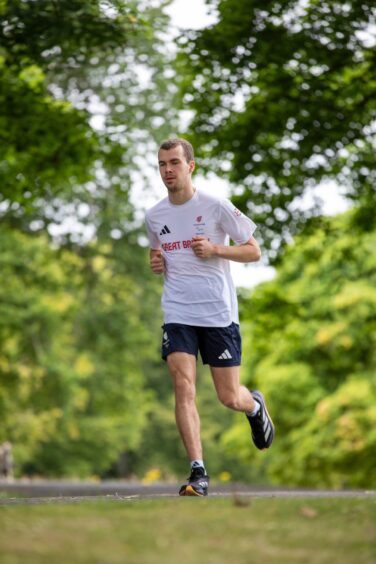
(217, 365)
(164, 356)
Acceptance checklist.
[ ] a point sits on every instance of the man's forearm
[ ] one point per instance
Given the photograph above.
(250, 252)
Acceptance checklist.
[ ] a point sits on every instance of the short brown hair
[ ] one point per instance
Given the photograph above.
(172, 143)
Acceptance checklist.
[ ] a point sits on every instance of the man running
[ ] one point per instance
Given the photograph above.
(189, 235)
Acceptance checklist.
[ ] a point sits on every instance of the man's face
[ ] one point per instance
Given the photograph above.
(174, 169)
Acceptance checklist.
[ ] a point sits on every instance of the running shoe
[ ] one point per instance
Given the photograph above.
(198, 483)
(261, 423)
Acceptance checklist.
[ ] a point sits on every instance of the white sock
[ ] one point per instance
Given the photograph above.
(198, 463)
(255, 411)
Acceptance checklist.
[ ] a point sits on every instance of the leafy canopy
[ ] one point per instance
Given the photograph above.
(82, 97)
(283, 96)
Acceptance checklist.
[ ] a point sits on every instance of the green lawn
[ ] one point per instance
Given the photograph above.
(191, 530)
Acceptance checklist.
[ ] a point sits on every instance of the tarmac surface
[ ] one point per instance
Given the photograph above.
(32, 492)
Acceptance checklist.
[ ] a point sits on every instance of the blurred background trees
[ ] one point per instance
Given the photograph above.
(282, 95)
(80, 88)
(311, 348)
(281, 99)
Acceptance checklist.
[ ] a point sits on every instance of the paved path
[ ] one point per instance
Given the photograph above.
(55, 491)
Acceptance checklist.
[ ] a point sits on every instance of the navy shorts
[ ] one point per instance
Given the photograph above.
(218, 346)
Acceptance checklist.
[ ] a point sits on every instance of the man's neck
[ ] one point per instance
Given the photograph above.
(182, 196)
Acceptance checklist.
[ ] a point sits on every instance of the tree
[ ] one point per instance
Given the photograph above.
(61, 63)
(82, 102)
(312, 334)
(74, 352)
(283, 95)
(46, 141)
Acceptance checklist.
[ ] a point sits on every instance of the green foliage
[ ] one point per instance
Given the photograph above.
(283, 96)
(45, 143)
(337, 446)
(78, 319)
(72, 393)
(61, 64)
(313, 331)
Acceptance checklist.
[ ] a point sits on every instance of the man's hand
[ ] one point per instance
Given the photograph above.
(202, 247)
(157, 263)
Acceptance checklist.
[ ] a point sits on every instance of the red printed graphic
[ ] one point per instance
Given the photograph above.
(176, 245)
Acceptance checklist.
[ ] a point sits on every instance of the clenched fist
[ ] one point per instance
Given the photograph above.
(157, 263)
(202, 247)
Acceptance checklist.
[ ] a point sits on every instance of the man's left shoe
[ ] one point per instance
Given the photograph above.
(261, 423)
(198, 483)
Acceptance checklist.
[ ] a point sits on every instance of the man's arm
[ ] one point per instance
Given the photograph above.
(157, 263)
(248, 252)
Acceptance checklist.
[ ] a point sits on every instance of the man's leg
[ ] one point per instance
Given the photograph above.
(235, 396)
(182, 367)
(229, 390)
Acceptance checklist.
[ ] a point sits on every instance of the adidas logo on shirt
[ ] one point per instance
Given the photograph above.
(225, 355)
(165, 230)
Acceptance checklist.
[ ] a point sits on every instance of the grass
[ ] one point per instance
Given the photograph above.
(191, 530)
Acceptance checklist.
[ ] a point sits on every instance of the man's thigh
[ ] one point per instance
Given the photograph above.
(182, 368)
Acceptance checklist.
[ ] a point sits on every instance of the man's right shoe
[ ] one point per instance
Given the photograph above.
(197, 485)
(261, 423)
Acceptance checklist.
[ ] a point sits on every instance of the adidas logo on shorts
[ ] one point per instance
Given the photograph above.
(166, 340)
(225, 355)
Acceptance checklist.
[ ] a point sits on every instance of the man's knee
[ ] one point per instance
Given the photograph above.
(229, 400)
(184, 382)
(185, 389)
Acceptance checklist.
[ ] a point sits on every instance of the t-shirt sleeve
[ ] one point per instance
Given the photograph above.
(152, 235)
(237, 225)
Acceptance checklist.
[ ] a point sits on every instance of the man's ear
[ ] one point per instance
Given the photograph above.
(192, 165)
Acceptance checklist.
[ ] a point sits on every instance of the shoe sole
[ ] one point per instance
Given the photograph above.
(190, 492)
(259, 397)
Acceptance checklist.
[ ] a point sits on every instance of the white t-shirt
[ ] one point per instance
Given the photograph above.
(197, 291)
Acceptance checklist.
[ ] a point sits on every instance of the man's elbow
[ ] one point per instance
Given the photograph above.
(255, 254)
(254, 251)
